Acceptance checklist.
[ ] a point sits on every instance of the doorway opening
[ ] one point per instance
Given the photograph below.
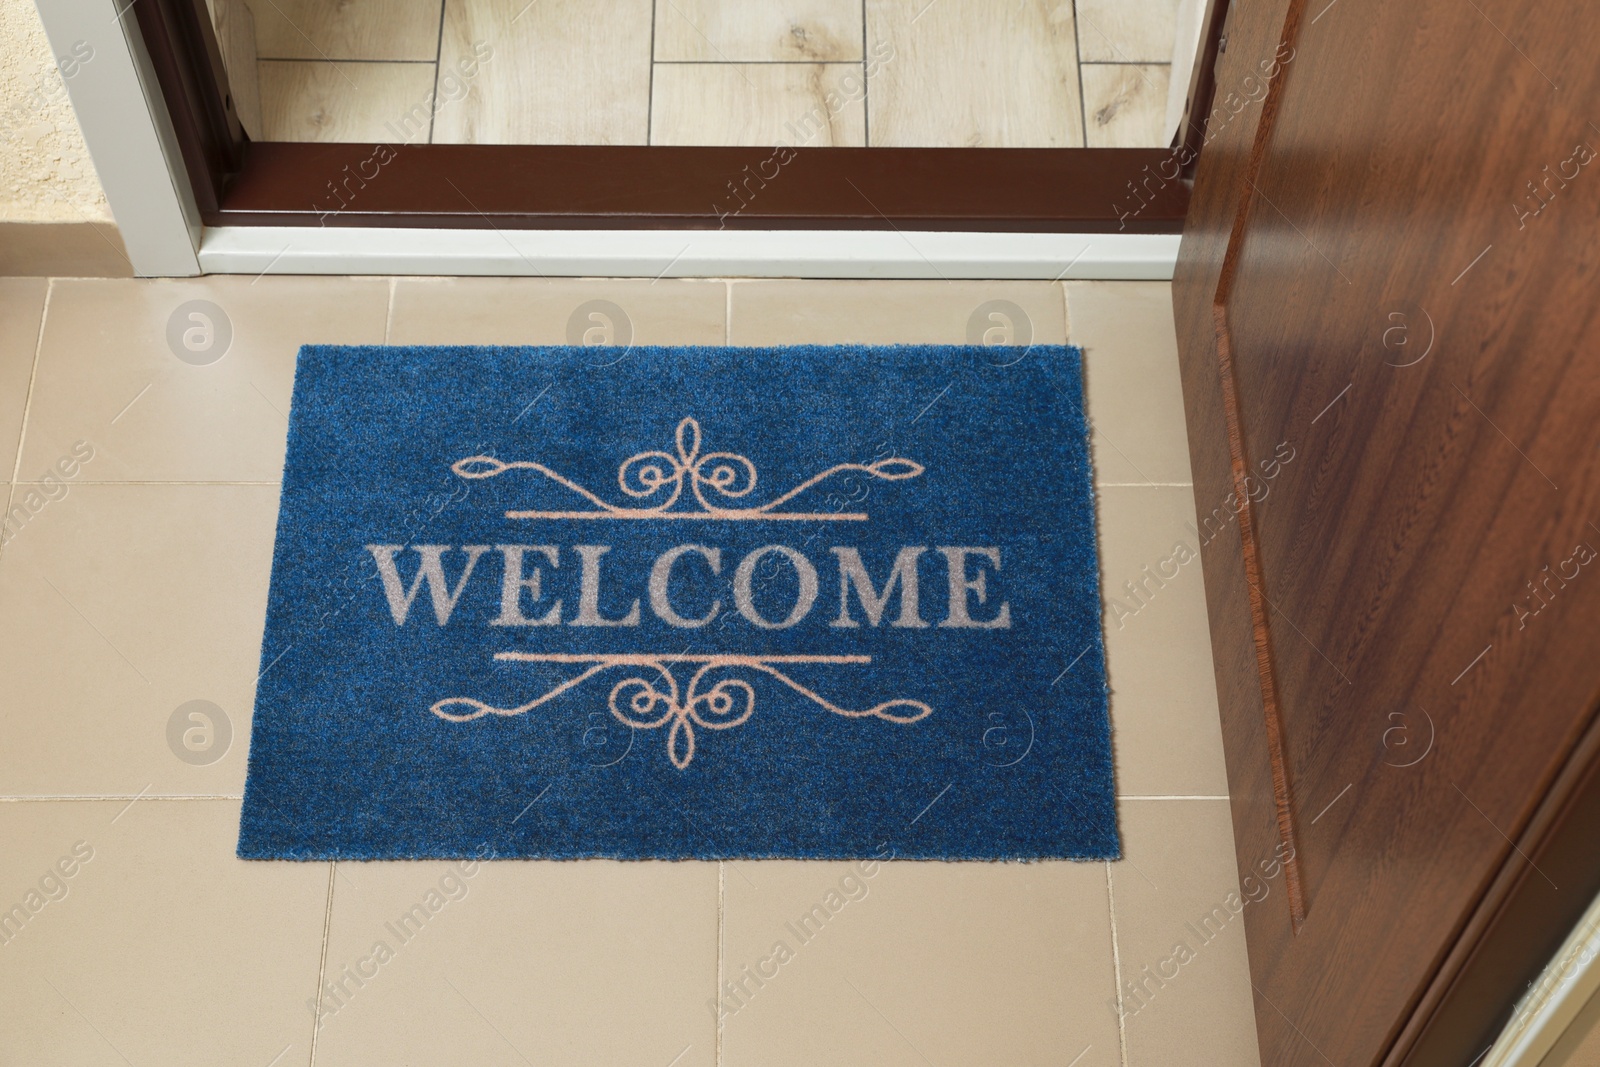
(943, 116)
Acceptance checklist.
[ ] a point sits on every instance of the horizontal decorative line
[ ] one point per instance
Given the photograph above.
(75, 798)
(645, 659)
(642, 514)
(148, 481)
(660, 700)
(648, 474)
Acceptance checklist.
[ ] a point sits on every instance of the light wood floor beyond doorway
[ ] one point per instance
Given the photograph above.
(138, 583)
(881, 73)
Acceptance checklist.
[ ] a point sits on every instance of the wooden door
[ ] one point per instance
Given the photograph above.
(1387, 303)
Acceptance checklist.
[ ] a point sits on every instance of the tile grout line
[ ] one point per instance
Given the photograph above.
(33, 377)
(650, 90)
(388, 315)
(322, 965)
(866, 86)
(1077, 68)
(1116, 966)
(727, 313)
(1066, 318)
(342, 59)
(866, 132)
(438, 60)
(777, 63)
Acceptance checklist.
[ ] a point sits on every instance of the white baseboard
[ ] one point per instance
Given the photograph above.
(686, 253)
(1554, 1001)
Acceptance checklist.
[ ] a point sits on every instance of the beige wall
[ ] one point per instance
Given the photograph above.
(45, 171)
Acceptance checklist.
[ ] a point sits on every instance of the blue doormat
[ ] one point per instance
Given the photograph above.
(818, 602)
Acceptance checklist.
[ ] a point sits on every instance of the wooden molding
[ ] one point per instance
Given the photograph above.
(637, 187)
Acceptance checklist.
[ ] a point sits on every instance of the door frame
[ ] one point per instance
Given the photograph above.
(816, 212)
(130, 136)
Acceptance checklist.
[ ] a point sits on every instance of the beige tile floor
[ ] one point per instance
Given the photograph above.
(945, 73)
(137, 584)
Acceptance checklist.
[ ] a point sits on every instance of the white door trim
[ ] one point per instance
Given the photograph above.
(686, 253)
(127, 130)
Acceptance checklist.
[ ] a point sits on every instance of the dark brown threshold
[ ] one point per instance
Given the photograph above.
(1098, 190)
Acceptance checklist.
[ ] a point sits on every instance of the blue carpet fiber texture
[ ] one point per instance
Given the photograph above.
(684, 603)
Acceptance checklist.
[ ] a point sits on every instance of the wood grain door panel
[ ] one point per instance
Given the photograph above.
(1358, 287)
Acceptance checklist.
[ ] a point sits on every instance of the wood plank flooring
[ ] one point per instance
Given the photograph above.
(913, 73)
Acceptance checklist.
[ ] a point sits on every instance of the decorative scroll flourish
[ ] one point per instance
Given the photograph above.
(653, 698)
(658, 479)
